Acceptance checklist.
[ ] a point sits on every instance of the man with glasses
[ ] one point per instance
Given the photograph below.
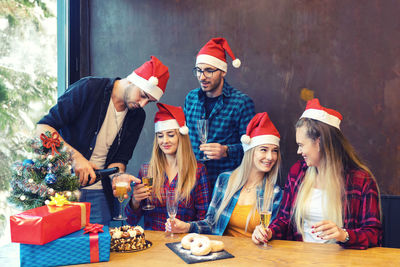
(227, 110)
(100, 120)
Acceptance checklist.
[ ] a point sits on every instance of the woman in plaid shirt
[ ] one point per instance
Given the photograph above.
(330, 196)
(173, 167)
(232, 210)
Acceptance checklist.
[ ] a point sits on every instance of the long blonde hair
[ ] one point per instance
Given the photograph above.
(239, 178)
(337, 156)
(187, 166)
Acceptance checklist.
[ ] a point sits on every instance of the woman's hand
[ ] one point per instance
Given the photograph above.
(327, 230)
(176, 226)
(261, 235)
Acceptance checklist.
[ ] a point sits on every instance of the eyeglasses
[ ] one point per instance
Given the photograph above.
(208, 73)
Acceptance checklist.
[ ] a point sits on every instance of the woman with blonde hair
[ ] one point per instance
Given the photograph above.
(232, 209)
(330, 196)
(173, 167)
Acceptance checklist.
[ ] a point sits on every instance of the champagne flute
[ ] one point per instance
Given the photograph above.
(122, 182)
(148, 183)
(172, 207)
(202, 128)
(264, 208)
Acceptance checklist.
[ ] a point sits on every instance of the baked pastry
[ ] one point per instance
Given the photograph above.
(187, 240)
(201, 246)
(127, 238)
(217, 246)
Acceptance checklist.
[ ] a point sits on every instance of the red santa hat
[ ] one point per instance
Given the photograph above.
(315, 111)
(213, 53)
(151, 77)
(170, 117)
(260, 131)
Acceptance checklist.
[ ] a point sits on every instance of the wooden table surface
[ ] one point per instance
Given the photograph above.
(282, 253)
(288, 253)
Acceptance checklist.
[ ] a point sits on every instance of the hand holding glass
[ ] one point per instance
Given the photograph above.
(148, 183)
(122, 183)
(264, 208)
(202, 128)
(172, 207)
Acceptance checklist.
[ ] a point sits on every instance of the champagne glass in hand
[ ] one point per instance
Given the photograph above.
(148, 183)
(122, 183)
(264, 208)
(202, 128)
(172, 207)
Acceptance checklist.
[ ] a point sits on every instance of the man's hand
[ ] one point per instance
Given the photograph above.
(131, 179)
(214, 150)
(84, 169)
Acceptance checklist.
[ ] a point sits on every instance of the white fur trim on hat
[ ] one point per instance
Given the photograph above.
(213, 61)
(146, 85)
(245, 139)
(261, 140)
(236, 63)
(166, 125)
(184, 130)
(153, 80)
(323, 116)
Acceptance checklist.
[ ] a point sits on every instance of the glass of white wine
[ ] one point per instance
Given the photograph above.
(122, 183)
(148, 183)
(264, 208)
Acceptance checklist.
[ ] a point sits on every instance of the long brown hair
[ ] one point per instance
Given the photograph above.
(187, 166)
(337, 157)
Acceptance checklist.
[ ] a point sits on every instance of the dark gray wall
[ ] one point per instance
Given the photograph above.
(346, 52)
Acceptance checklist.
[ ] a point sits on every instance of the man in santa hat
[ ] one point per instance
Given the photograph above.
(100, 120)
(227, 110)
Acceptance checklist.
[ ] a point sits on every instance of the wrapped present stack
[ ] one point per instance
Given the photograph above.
(59, 234)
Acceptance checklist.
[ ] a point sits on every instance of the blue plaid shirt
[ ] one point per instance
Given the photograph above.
(227, 123)
(207, 225)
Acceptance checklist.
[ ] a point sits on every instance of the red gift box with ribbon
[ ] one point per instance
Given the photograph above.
(47, 223)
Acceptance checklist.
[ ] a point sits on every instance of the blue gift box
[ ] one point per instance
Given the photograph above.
(74, 248)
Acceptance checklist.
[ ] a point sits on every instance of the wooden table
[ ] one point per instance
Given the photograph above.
(282, 253)
(288, 253)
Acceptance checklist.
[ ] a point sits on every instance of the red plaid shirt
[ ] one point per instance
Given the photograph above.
(361, 219)
(195, 209)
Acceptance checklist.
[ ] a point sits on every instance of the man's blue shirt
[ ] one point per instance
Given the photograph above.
(227, 123)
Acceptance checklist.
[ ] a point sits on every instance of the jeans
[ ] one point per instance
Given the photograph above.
(99, 211)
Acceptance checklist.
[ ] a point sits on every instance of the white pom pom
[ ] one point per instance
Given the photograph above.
(30, 180)
(68, 194)
(236, 63)
(22, 197)
(245, 139)
(47, 202)
(184, 130)
(153, 80)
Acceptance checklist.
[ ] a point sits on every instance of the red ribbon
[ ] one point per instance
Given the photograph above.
(51, 142)
(93, 230)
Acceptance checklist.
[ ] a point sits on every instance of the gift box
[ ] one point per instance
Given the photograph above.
(47, 223)
(75, 248)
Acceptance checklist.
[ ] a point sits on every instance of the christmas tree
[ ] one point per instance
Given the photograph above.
(43, 175)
